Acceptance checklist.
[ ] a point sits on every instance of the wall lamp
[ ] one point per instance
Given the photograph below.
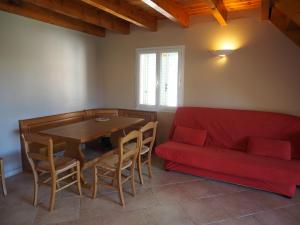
(222, 52)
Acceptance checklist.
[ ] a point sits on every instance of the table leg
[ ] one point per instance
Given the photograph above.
(73, 150)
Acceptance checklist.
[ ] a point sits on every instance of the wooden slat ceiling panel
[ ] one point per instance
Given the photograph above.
(194, 7)
(116, 15)
(143, 6)
(200, 7)
(235, 5)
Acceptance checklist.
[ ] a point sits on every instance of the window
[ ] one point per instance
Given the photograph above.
(160, 77)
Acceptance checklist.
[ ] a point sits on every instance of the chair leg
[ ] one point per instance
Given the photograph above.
(120, 189)
(149, 165)
(139, 165)
(78, 178)
(95, 185)
(3, 178)
(132, 180)
(53, 192)
(3, 186)
(36, 188)
(114, 182)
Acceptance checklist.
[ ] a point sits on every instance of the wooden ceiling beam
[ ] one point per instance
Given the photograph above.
(286, 25)
(80, 11)
(37, 13)
(218, 11)
(266, 7)
(291, 8)
(125, 11)
(171, 10)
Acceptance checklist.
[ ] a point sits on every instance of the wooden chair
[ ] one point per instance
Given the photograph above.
(148, 138)
(112, 165)
(2, 177)
(48, 168)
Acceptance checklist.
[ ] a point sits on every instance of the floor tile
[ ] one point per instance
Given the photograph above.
(167, 214)
(247, 220)
(206, 188)
(167, 178)
(205, 211)
(167, 198)
(169, 193)
(18, 214)
(102, 203)
(293, 210)
(238, 204)
(65, 210)
(143, 199)
(125, 218)
(268, 200)
(276, 217)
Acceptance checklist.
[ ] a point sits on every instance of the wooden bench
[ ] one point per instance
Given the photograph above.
(35, 125)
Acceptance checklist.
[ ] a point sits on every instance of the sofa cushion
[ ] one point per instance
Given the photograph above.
(269, 147)
(232, 162)
(189, 136)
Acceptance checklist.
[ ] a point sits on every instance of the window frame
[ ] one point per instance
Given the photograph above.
(180, 85)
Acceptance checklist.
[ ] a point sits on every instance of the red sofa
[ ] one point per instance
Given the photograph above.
(224, 154)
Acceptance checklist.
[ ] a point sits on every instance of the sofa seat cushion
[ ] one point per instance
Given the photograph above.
(190, 136)
(269, 147)
(232, 162)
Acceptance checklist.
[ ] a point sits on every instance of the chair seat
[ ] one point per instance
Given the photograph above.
(60, 164)
(111, 163)
(144, 149)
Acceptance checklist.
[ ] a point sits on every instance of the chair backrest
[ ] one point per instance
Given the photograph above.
(149, 139)
(132, 153)
(33, 155)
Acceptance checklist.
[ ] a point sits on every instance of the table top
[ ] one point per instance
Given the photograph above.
(89, 130)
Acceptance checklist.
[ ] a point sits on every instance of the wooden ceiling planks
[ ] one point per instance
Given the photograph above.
(140, 4)
(125, 11)
(200, 7)
(285, 15)
(291, 8)
(284, 23)
(237, 5)
(95, 16)
(80, 11)
(34, 12)
(171, 10)
(116, 15)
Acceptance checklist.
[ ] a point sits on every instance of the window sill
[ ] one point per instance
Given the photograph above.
(157, 109)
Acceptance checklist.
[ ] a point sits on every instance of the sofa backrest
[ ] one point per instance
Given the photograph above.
(228, 128)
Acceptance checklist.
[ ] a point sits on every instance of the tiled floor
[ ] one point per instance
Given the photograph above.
(168, 198)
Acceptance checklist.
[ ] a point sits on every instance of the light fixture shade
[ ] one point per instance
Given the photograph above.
(222, 52)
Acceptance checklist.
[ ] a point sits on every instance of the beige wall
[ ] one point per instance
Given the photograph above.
(44, 70)
(262, 74)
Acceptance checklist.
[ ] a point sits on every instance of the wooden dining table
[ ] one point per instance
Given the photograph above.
(76, 134)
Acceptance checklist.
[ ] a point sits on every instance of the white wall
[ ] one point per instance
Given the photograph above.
(262, 74)
(44, 69)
